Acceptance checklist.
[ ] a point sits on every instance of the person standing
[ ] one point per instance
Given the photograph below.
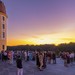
(25, 55)
(44, 60)
(2, 55)
(68, 59)
(10, 57)
(19, 65)
(5, 55)
(49, 57)
(37, 59)
(71, 58)
(65, 59)
(41, 57)
(54, 57)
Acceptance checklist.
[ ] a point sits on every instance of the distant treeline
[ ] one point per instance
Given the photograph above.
(46, 47)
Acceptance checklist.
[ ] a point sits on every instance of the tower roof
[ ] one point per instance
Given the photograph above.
(2, 7)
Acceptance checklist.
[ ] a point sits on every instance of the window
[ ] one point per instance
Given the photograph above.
(3, 34)
(3, 47)
(3, 26)
(3, 18)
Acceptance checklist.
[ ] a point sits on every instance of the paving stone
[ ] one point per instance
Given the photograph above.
(30, 68)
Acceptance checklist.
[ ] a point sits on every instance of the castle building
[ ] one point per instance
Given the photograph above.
(3, 27)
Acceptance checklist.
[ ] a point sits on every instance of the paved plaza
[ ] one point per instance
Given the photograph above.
(31, 69)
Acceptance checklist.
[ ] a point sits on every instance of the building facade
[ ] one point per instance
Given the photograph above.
(3, 27)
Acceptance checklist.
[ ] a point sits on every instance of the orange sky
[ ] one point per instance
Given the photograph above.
(56, 39)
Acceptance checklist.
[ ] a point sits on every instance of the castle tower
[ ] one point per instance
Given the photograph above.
(3, 26)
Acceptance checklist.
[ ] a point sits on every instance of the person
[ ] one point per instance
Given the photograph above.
(5, 55)
(33, 56)
(54, 57)
(12, 55)
(28, 55)
(37, 59)
(19, 65)
(71, 58)
(44, 60)
(9, 57)
(66, 59)
(49, 57)
(25, 55)
(41, 57)
(2, 55)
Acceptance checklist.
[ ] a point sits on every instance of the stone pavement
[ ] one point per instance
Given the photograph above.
(31, 69)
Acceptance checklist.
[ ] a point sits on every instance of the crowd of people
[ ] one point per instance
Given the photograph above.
(68, 57)
(42, 58)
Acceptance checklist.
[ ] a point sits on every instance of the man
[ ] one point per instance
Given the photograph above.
(19, 65)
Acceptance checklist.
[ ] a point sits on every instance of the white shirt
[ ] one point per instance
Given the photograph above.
(72, 55)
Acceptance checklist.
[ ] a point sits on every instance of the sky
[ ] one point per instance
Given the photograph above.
(40, 21)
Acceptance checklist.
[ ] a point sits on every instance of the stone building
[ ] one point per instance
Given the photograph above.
(3, 27)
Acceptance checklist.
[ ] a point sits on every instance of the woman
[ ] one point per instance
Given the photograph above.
(41, 57)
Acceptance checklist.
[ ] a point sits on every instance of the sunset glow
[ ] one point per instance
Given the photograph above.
(44, 39)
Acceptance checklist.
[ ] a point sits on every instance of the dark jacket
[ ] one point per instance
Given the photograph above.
(19, 63)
